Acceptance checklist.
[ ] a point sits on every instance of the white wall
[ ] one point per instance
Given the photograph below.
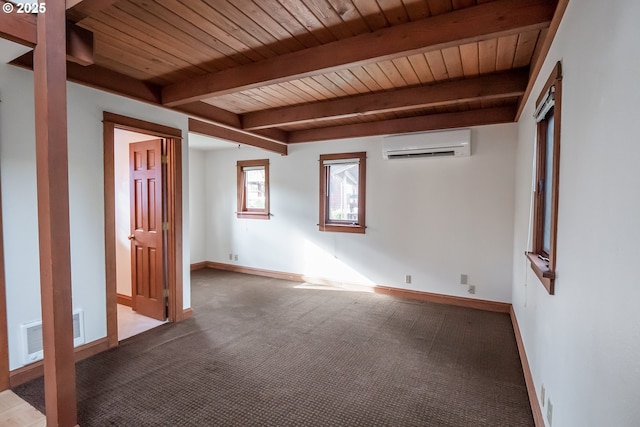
(197, 204)
(583, 343)
(18, 178)
(431, 218)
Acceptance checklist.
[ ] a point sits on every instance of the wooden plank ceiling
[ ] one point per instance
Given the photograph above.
(306, 70)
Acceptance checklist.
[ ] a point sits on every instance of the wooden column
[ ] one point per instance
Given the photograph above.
(53, 216)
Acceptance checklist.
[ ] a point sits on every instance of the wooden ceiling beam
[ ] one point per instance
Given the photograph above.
(118, 84)
(495, 86)
(482, 22)
(208, 129)
(20, 28)
(485, 116)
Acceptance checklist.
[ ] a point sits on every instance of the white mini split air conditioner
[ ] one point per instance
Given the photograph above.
(455, 143)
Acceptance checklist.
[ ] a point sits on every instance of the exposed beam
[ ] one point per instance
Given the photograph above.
(18, 27)
(495, 86)
(208, 129)
(52, 164)
(486, 21)
(541, 54)
(110, 81)
(485, 116)
(79, 45)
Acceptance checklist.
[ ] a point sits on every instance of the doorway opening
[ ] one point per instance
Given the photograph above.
(143, 225)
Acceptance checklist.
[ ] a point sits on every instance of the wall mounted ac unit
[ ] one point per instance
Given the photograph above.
(456, 143)
(32, 345)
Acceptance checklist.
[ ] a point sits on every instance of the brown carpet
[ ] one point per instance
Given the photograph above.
(260, 352)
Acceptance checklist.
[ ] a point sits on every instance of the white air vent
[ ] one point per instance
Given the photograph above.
(456, 143)
(32, 346)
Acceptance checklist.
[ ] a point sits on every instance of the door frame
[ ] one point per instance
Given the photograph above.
(174, 247)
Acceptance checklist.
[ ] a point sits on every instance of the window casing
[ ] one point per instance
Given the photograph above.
(547, 170)
(342, 192)
(253, 189)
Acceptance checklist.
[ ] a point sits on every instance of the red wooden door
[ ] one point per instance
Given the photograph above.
(147, 278)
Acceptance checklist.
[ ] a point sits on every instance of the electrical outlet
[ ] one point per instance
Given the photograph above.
(472, 289)
(549, 411)
(542, 394)
(464, 279)
(407, 278)
(235, 257)
(230, 257)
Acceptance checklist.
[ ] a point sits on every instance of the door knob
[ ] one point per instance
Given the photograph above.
(131, 237)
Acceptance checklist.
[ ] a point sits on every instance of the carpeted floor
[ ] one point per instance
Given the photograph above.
(260, 352)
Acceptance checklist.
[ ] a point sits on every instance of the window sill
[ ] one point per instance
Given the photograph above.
(342, 228)
(253, 215)
(546, 276)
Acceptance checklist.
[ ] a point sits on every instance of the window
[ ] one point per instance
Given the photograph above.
(253, 189)
(545, 202)
(342, 192)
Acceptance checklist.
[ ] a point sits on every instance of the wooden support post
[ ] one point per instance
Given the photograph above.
(50, 75)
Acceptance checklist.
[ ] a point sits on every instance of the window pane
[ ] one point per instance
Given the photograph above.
(548, 180)
(255, 188)
(343, 192)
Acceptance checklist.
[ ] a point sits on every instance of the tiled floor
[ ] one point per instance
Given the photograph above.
(15, 412)
(131, 323)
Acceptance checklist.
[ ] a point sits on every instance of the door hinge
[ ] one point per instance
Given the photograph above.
(164, 159)
(165, 293)
(165, 226)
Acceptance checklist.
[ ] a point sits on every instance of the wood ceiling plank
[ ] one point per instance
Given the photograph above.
(350, 15)
(436, 64)
(20, 28)
(197, 51)
(203, 128)
(487, 54)
(268, 24)
(393, 74)
(154, 49)
(438, 7)
(330, 86)
(416, 9)
(394, 11)
(506, 52)
(140, 60)
(379, 76)
(497, 86)
(301, 94)
(200, 23)
(305, 87)
(243, 28)
(308, 20)
(207, 49)
(329, 18)
(349, 77)
(421, 67)
(413, 124)
(361, 74)
(406, 70)
(453, 62)
(283, 16)
(212, 28)
(340, 82)
(525, 47)
(86, 8)
(371, 13)
(470, 60)
(501, 17)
